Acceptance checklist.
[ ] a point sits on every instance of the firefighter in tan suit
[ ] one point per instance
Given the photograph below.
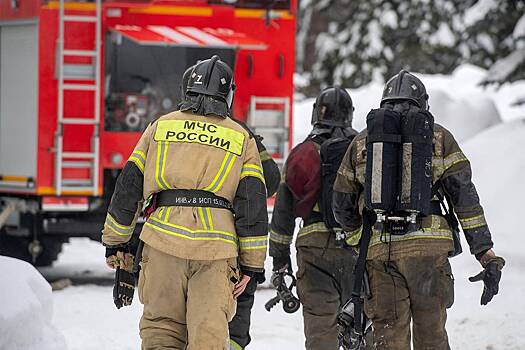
(204, 173)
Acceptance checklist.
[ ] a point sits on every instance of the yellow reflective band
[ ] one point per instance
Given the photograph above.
(234, 345)
(200, 132)
(252, 243)
(203, 220)
(208, 215)
(187, 233)
(279, 238)
(139, 158)
(224, 170)
(319, 227)
(454, 159)
(253, 174)
(223, 177)
(473, 222)
(159, 167)
(353, 238)
(420, 234)
(264, 155)
(119, 229)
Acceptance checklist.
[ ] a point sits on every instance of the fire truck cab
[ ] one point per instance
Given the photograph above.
(80, 80)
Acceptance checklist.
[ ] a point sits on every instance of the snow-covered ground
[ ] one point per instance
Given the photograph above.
(87, 318)
(26, 309)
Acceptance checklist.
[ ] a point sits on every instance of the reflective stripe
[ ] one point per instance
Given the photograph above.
(222, 174)
(251, 243)
(473, 222)
(205, 215)
(425, 233)
(235, 346)
(161, 163)
(315, 227)
(279, 238)
(119, 229)
(353, 237)
(139, 158)
(187, 233)
(453, 159)
(208, 215)
(252, 170)
(264, 155)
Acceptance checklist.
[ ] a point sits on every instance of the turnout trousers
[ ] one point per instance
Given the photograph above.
(187, 303)
(417, 289)
(240, 325)
(324, 284)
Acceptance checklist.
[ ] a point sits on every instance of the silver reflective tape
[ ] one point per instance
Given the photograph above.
(406, 173)
(377, 171)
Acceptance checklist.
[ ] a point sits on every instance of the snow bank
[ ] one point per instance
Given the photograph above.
(498, 166)
(27, 307)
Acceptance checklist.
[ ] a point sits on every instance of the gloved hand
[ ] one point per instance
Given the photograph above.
(121, 260)
(490, 276)
(124, 288)
(282, 263)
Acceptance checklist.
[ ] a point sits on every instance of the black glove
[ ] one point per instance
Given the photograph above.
(124, 288)
(282, 263)
(490, 276)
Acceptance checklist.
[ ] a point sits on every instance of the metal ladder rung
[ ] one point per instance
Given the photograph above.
(76, 18)
(77, 164)
(83, 53)
(76, 182)
(78, 155)
(88, 189)
(81, 121)
(79, 87)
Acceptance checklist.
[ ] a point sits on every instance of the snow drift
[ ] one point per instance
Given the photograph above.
(27, 308)
(456, 101)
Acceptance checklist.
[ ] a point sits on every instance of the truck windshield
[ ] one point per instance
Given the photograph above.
(273, 4)
(142, 82)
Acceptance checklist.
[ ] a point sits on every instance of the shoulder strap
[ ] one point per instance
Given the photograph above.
(359, 272)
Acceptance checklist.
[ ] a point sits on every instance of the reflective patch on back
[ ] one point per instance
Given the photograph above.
(377, 172)
(204, 133)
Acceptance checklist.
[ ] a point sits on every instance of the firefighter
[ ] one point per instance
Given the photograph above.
(207, 236)
(410, 277)
(324, 278)
(239, 327)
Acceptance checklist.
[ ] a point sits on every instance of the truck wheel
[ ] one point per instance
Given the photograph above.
(17, 247)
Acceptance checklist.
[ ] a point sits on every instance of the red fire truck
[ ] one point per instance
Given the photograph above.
(80, 80)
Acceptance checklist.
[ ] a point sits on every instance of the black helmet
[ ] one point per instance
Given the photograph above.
(185, 80)
(212, 77)
(405, 86)
(333, 107)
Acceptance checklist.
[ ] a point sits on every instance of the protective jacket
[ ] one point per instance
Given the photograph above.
(451, 173)
(193, 152)
(314, 232)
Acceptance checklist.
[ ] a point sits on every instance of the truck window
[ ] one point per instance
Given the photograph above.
(142, 82)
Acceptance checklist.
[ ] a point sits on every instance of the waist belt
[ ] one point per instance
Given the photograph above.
(192, 198)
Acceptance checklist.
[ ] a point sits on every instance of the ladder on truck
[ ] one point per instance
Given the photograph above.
(68, 80)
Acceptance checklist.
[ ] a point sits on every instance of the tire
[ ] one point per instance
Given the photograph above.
(17, 247)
